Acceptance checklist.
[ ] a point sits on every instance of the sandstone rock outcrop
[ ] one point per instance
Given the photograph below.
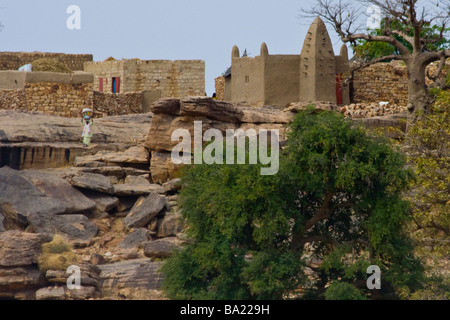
(103, 202)
(77, 228)
(144, 211)
(18, 249)
(38, 141)
(14, 281)
(170, 225)
(27, 197)
(173, 114)
(141, 273)
(23, 127)
(19, 253)
(117, 204)
(163, 248)
(93, 181)
(135, 239)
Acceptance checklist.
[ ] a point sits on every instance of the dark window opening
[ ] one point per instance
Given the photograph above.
(116, 85)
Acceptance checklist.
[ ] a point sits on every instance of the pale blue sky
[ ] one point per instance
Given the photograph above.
(156, 29)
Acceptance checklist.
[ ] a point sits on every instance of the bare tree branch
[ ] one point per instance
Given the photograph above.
(388, 39)
(408, 20)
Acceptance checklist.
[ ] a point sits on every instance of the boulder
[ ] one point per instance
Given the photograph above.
(166, 106)
(20, 278)
(83, 293)
(60, 192)
(137, 274)
(124, 255)
(112, 171)
(173, 185)
(172, 204)
(163, 126)
(93, 181)
(20, 248)
(128, 189)
(135, 155)
(397, 121)
(319, 106)
(170, 225)
(265, 115)
(104, 159)
(144, 211)
(153, 225)
(90, 276)
(162, 167)
(138, 180)
(78, 229)
(198, 107)
(209, 108)
(135, 239)
(103, 202)
(32, 194)
(2, 219)
(96, 259)
(159, 136)
(163, 248)
(129, 171)
(126, 203)
(51, 293)
(90, 161)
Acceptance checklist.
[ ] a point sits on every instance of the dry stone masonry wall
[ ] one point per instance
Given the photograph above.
(220, 88)
(14, 99)
(14, 60)
(170, 78)
(381, 82)
(386, 82)
(58, 99)
(109, 104)
(62, 95)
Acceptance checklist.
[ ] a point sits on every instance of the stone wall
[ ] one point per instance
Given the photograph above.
(220, 88)
(59, 99)
(14, 99)
(63, 95)
(14, 60)
(381, 82)
(109, 104)
(69, 100)
(386, 82)
(52, 93)
(105, 70)
(171, 78)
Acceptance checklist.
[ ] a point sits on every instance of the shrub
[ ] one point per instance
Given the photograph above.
(57, 255)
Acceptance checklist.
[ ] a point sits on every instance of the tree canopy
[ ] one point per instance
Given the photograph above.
(310, 232)
(368, 51)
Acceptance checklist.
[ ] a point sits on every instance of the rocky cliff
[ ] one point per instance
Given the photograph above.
(115, 204)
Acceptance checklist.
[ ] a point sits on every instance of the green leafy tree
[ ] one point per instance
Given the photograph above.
(428, 147)
(368, 50)
(428, 144)
(310, 232)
